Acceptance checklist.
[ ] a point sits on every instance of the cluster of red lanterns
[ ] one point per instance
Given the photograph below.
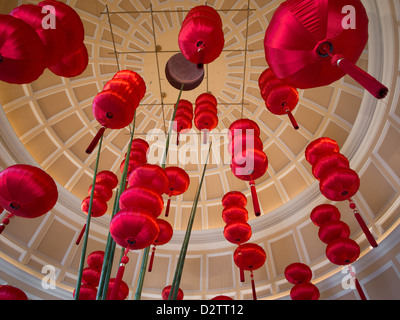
(201, 38)
(183, 117)
(279, 97)
(249, 161)
(340, 249)
(300, 275)
(105, 182)
(114, 107)
(137, 156)
(26, 191)
(91, 278)
(247, 256)
(206, 113)
(338, 182)
(28, 46)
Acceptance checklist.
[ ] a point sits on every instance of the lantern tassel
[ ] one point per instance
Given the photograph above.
(78, 241)
(95, 140)
(5, 222)
(360, 290)
(372, 85)
(120, 274)
(292, 119)
(363, 225)
(254, 197)
(241, 274)
(152, 259)
(253, 286)
(177, 139)
(168, 206)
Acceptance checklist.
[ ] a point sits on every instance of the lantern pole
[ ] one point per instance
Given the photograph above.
(89, 216)
(110, 247)
(178, 272)
(163, 164)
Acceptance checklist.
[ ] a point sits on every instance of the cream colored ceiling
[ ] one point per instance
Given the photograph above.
(52, 120)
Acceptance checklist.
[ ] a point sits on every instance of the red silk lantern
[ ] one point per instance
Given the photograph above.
(339, 184)
(54, 39)
(142, 198)
(243, 126)
(179, 182)
(314, 49)
(298, 272)
(128, 90)
(206, 113)
(8, 292)
(279, 97)
(73, 64)
(237, 232)
(304, 291)
(99, 206)
(342, 251)
(102, 191)
(164, 236)
(235, 198)
(241, 142)
(249, 256)
(222, 297)
(91, 276)
(86, 292)
(69, 21)
(201, 38)
(27, 191)
(319, 147)
(150, 175)
(107, 177)
(22, 54)
(234, 213)
(166, 291)
(324, 213)
(95, 259)
(329, 161)
(333, 230)
(122, 292)
(135, 80)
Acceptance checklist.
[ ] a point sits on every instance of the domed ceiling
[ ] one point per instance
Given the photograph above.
(51, 122)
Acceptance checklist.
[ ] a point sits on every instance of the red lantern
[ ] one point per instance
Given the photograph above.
(206, 113)
(101, 190)
(319, 147)
(69, 21)
(298, 272)
(150, 175)
(324, 213)
(135, 80)
(243, 127)
(313, 48)
(95, 259)
(142, 198)
(304, 291)
(166, 291)
(201, 38)
(249, 256)
(222, 297)
(279, 97)
(54, 39)
(183, 117)
(107, 177)
(327, 162)
(342, 251)
(8, 292)
(234, 198)
(73, 64)
(237, 232)
(234, 213)
(91, 276)
(340, 184)
(333, 230)
(122, 292)
(179, 182)
(164, 236)
(87, 292)
(22, 54)
(27, 191)
(129, 90)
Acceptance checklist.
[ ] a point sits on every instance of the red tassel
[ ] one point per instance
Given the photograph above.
(241, 275)
(95, 140)
(152, 259)
(253, 286)
(363, 225)
(372, 85)
(78, 241)
(360, 290)
(177, 139)
(120, 274)
(5, 222)
(292, 119)
(254, 197)
(168, 205)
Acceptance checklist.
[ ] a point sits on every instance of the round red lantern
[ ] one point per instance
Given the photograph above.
(298, 272)
(22, 54)
(73, 64)
(339, 184)
(142, 198)
(86, 292)
(95, 259)
(166, 291)
(222, 297)
(91, 276)
(324, 213)
(243, 127)
(304, 291)
(234, 213)
(333, 230)
(237, 232)
(122, 292)
(101, 190)
(135, 80)
(327, 162)
(234, 198)
(99, 206)
(150, 175)
(179, 182)
(8, 292)
(107, 177)
(319, 147)
(342, 251)
(164, 236)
